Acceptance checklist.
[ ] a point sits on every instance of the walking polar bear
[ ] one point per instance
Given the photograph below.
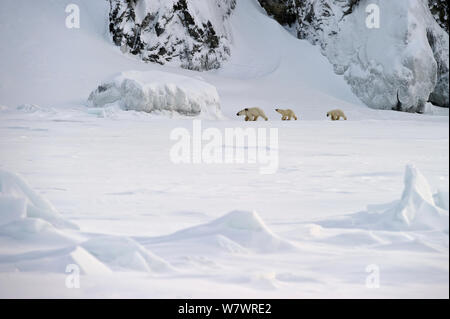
(252, 114)
(287, 115)
(336, 115)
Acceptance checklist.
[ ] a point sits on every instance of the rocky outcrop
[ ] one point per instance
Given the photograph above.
(407, 55)
(186, 33)
(439, 10)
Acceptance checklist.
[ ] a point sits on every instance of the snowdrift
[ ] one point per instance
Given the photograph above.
(158, 91)
(54, 261)
(18, 202)
(417, 210)
(238, 231)
(34, 237)
(28, 221)
(33, 231)
(417, 207)
(441, 199)
(121, 253)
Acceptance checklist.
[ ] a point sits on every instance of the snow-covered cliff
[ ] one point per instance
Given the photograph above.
(407, 55)
(401, 65)
(190, 34)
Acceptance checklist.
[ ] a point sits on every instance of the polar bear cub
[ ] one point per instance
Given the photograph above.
(252, 114)
(336, 115)
(287, 115)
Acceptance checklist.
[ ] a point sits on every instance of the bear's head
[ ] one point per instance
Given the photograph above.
(243, 112)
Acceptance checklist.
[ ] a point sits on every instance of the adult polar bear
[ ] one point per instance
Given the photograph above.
(336, 115)
(287, 115)
(252, 114)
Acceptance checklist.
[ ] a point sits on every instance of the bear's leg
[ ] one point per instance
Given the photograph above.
(247, 118)
(256, 118)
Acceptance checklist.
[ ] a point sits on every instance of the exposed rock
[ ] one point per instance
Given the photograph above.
(186, 33)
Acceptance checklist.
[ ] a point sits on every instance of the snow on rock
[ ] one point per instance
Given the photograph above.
(158, 91)
(19, 201)
(397, 57)
(125, 253)
(188, 33)
(237, 231)
(439, 43)
(408, 53)
(415, 211)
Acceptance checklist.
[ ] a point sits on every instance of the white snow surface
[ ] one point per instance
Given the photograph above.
(149, 228)
(158, 91)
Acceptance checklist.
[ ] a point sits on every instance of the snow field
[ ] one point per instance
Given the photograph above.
(139, 226)
(414, 222)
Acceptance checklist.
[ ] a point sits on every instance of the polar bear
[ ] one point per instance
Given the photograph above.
(287, 115)
(336, 115)
(252, 114)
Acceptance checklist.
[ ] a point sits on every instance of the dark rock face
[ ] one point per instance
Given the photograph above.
(308, 16)
(172, 31)
(439, 10)
(440, 95)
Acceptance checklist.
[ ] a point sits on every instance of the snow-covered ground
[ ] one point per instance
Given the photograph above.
(96, 187)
